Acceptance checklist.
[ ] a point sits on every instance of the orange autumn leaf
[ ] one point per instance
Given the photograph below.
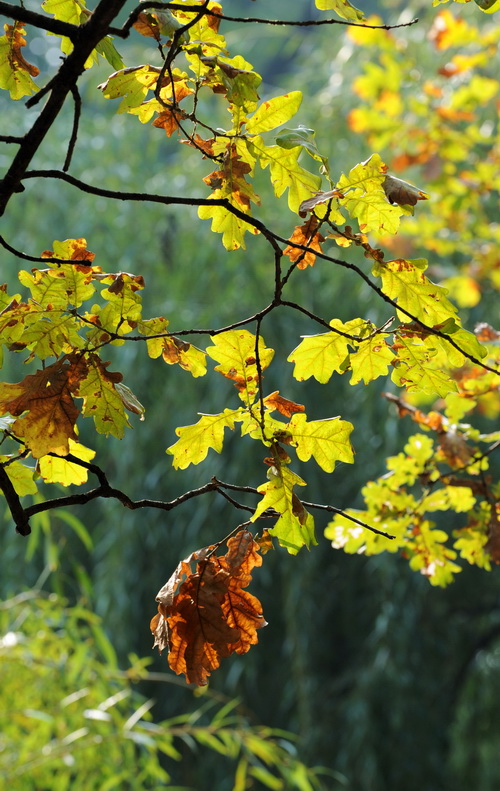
(169, 121)
(283, 405)
(307, 236)
(16, 42)
(205, 614)
(198, 142)
(51, 413)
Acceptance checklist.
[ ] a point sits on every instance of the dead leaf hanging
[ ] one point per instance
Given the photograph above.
(204, 614)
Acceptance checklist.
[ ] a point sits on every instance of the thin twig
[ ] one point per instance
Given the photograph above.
(123, 32)
(74, 133)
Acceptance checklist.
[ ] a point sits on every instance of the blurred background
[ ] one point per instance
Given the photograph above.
(386, 682)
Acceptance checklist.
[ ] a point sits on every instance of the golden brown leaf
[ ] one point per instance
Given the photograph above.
(147, 25)
(51, 412)
(205, 615)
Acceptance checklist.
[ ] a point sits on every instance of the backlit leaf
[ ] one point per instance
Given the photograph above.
(20, 475)
(343, 8)
(235, 351)
(295, 526)
(195, 441)
(16, 74)
(274, 112)
(46, 398)
(57, 469)
(101, 399)
(327, 441)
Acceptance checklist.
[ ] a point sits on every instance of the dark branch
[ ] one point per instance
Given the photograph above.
(89, 36)
(150, 4)
(76, 121)
(19, 514)
(40, 21)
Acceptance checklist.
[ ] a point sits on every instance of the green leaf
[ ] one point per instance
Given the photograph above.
(101, 400)
(195, 441)
(326, 440)
(274, 112)
(295, 526)
(107, 49)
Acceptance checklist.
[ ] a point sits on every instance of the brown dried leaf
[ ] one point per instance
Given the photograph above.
(401, 192)
(206, 615)
(317, 199)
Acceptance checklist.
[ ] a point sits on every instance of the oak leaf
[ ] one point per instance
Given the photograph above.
(283, 405)
(204, 614)
(51, 414)
(308, 236)
(15, 72)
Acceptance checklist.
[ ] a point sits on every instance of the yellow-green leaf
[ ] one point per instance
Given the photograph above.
(101, 400)
(195, 441)
(371, 360)
(326, 440)
(343, 8)
(295, 526)
(274, 112)
(57, 469)
(16, 74)
(405, 282)
(286, 173)
(21, 476)
(235, 351)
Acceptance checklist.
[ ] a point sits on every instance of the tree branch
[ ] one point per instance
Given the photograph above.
(40, 21)
(125, 30)
(89, 36)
